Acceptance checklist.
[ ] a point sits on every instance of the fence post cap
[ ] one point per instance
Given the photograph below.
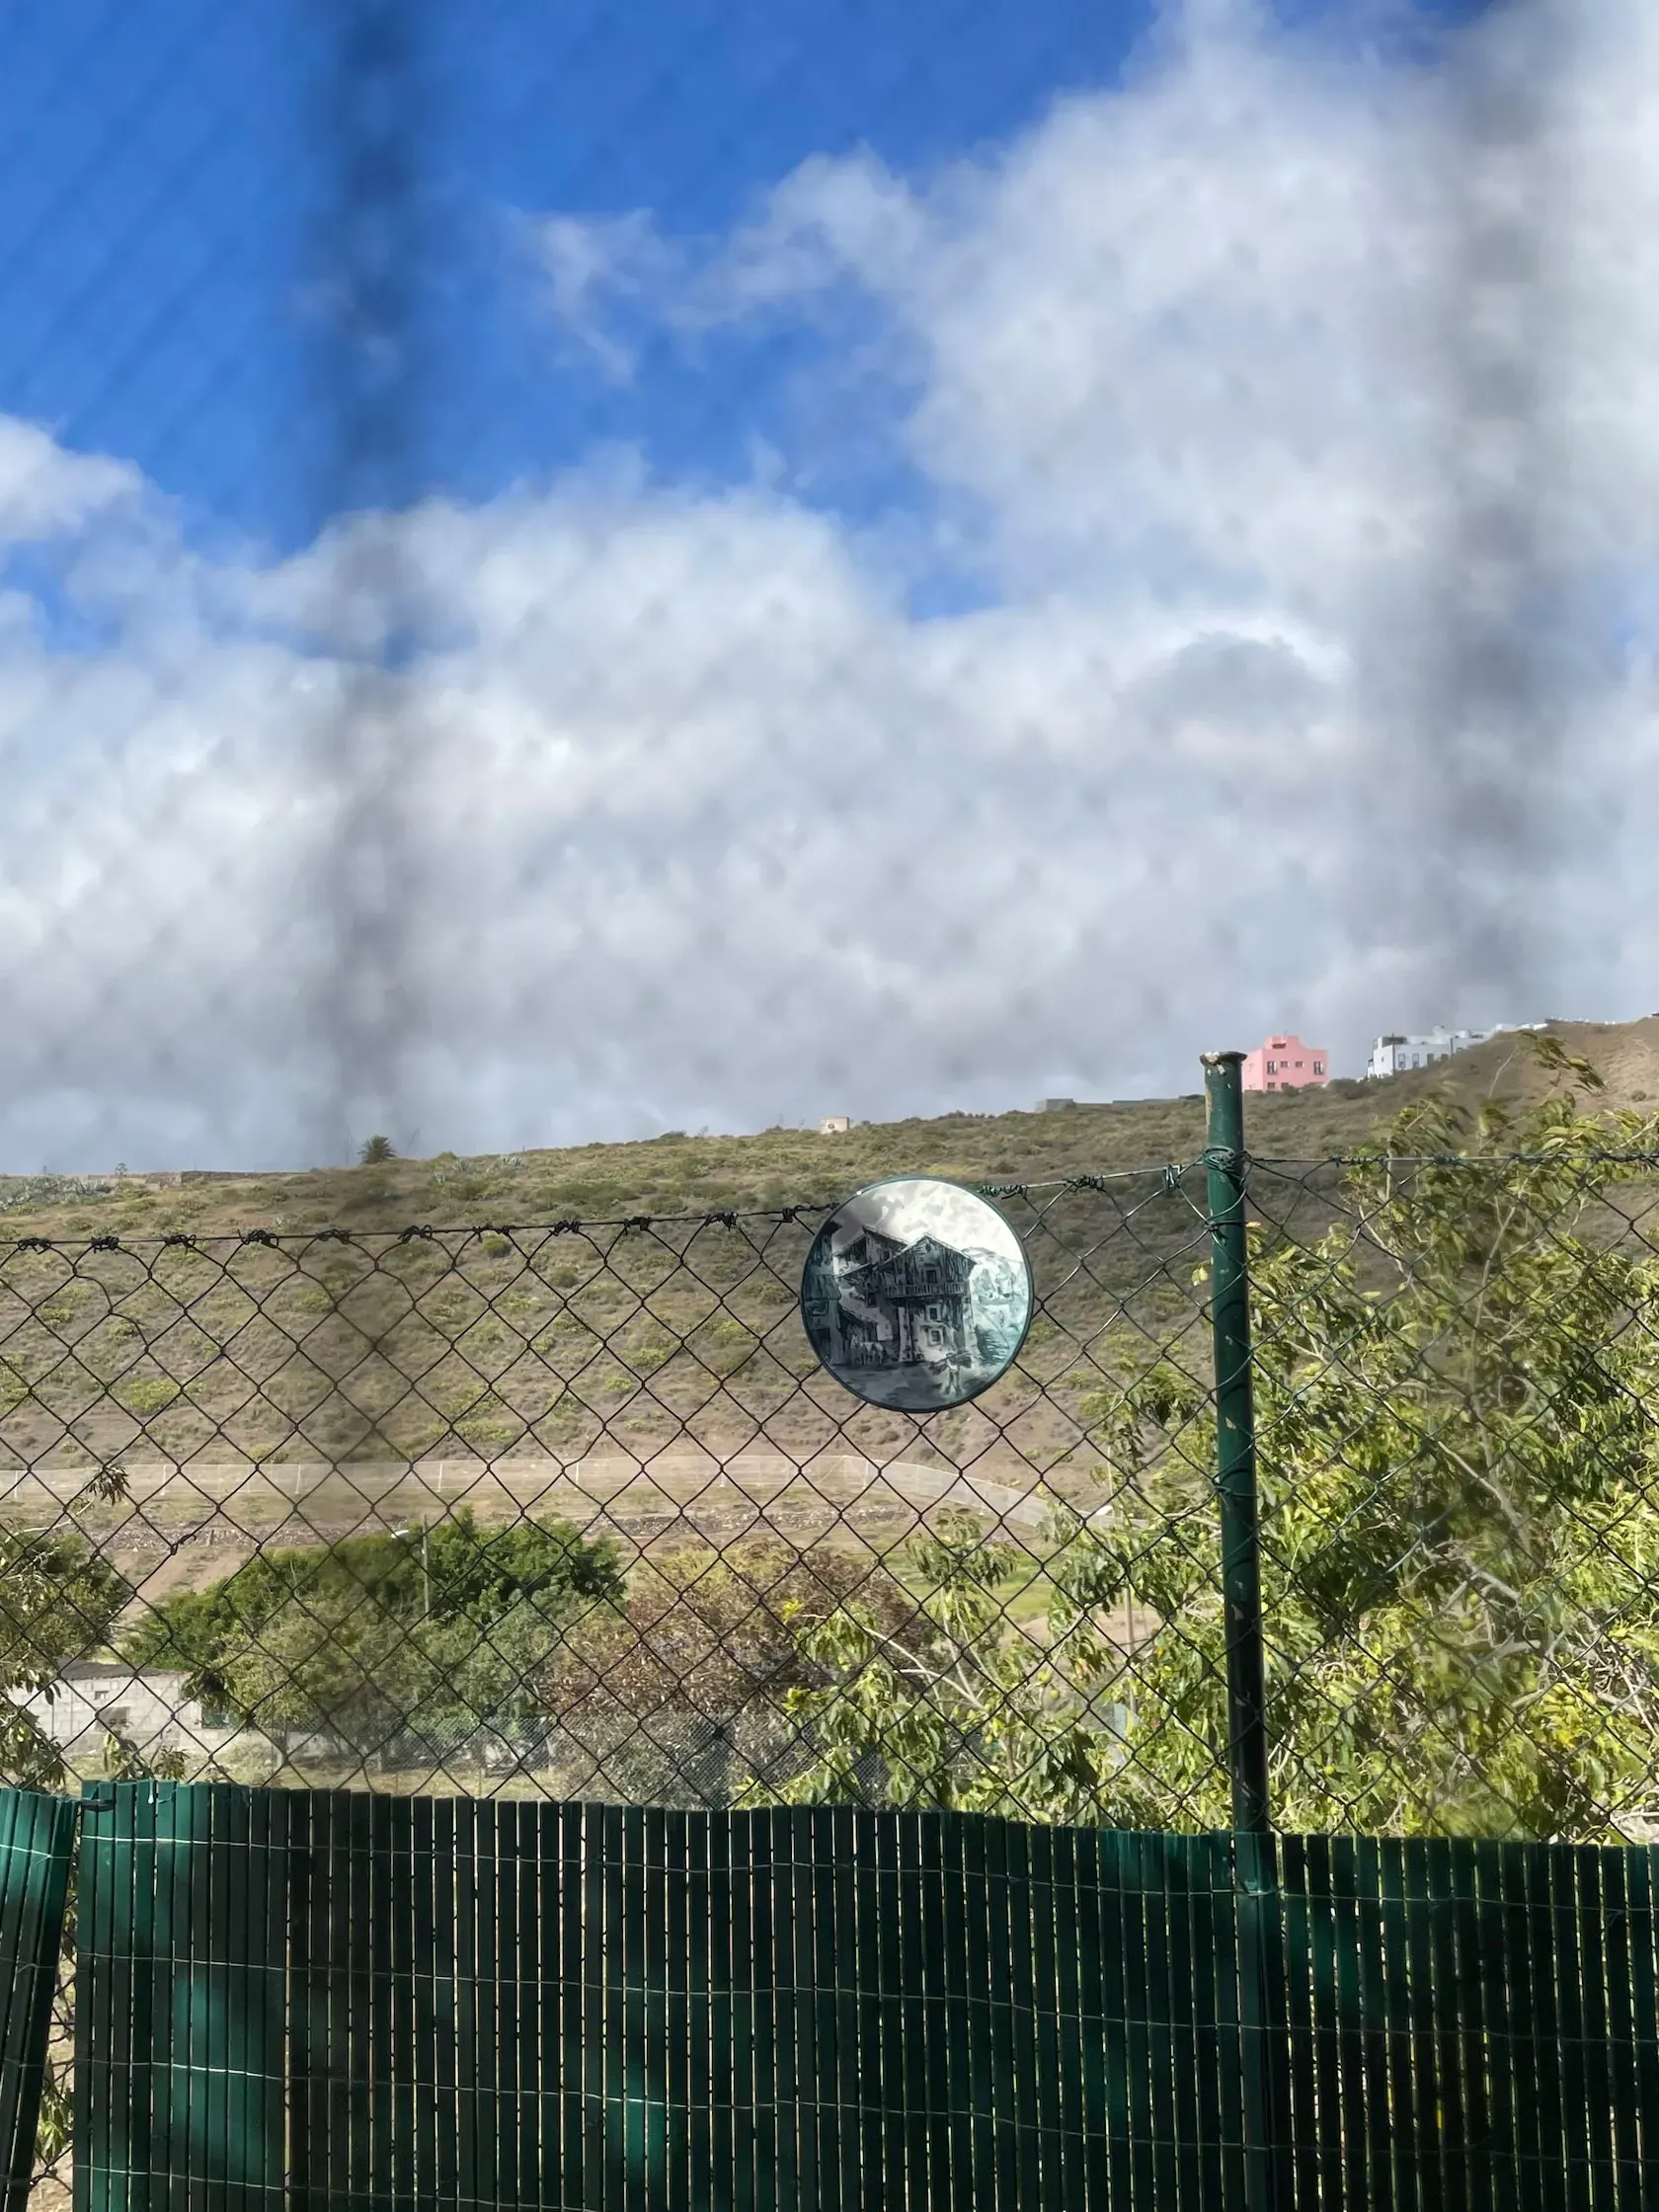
(1221, 1059)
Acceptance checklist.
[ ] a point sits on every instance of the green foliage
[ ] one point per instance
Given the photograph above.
(147, 1394)
(123, 1760)
(490, 1432)
(690, 1674)
(375, 1634)
(1459, 1485)
(375, 1152)
(963, 1707)
(58, 1603)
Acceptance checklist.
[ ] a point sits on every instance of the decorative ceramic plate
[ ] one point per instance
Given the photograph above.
(916, 1293)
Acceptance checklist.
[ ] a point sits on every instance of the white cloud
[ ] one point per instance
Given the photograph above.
(681, 815)
(47, 492)
(596, 267)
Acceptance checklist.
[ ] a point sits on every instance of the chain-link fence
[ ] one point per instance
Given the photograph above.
(553, 593)
(572, 1510)
(568, 1507)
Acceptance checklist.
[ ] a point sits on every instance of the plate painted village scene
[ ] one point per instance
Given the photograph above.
(917, 1295)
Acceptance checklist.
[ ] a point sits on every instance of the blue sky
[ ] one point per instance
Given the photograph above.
(161, 178)
(907, 557)
(161, 191)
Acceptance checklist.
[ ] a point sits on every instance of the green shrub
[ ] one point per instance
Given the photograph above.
(147, 1394)
(491, 1430)
(447, 1628)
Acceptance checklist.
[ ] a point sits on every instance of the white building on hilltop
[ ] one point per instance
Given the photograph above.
(1395, 1056)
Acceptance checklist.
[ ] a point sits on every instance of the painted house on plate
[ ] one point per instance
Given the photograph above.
(903, 1304)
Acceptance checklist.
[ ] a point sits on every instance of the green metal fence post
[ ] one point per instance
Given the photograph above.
(1235, 1444)
(1255, 1869)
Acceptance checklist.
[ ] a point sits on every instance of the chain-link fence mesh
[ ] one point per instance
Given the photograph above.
(549, 593)
(522, 536)
(559, 1508)
(571, 1511)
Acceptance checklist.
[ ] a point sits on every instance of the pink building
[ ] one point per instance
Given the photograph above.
(1286, 1064)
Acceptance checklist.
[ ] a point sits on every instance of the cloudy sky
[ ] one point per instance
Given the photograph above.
(808, 559)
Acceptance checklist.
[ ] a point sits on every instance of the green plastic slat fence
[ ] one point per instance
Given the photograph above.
(37, 1850)
(181, 1993)
(348, 2001)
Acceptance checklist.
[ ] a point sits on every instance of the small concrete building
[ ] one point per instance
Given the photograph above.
(92, 1702)
(1395, 1055)
(833, 1125)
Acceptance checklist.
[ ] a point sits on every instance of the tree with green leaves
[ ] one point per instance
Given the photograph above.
(1455, 1393)
(376, 1152)
(58, 1604)
(439, 1632)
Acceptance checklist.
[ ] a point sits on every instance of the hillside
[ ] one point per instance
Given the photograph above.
(677, 1175)
(656, 1387)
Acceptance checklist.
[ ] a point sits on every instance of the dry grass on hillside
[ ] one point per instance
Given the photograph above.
(677, 1175)
(552, 1346)
(540, 1343)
